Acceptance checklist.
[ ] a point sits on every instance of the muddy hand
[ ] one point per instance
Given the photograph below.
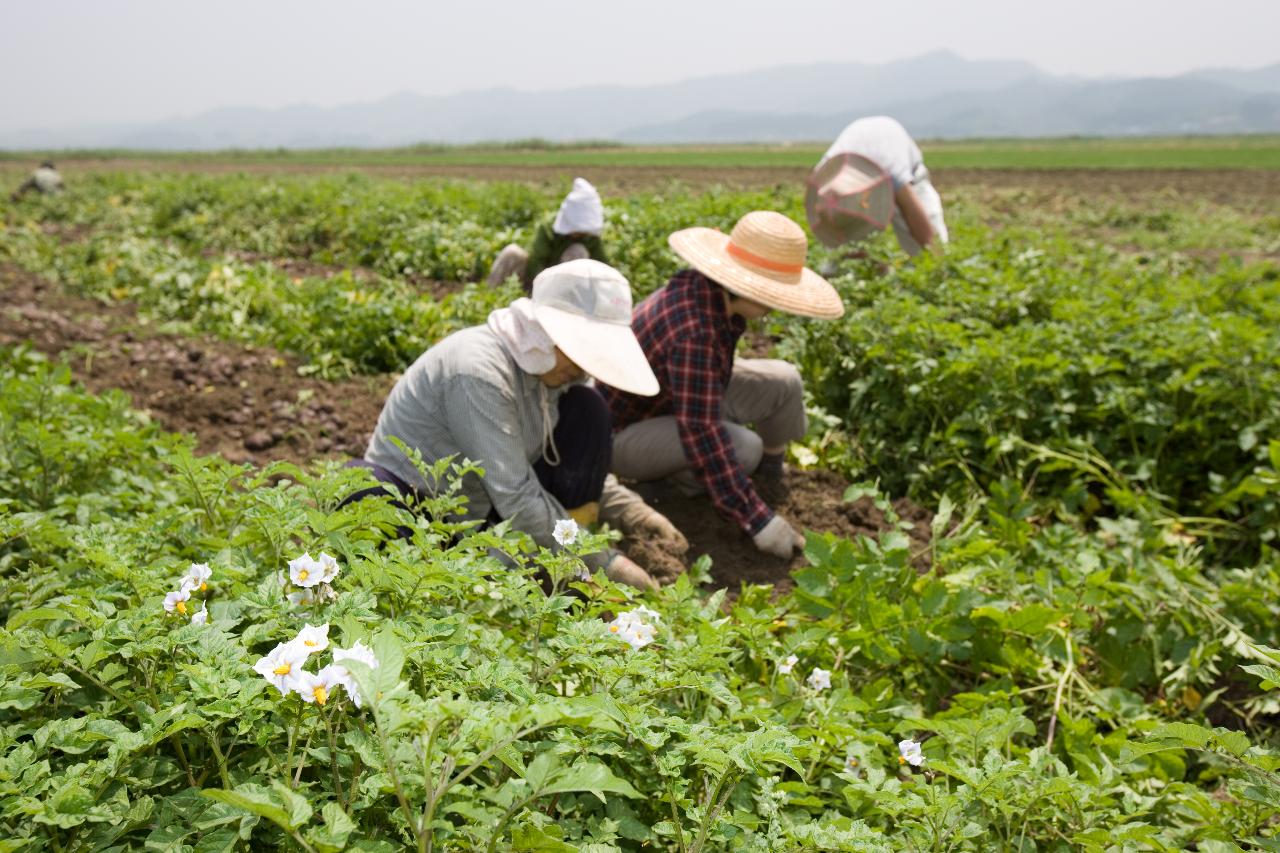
(622, 570)
(624, 509)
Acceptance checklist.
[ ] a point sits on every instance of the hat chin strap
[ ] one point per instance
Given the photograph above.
(752, 258)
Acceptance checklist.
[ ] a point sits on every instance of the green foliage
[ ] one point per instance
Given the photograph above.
(1103, 380)
(1059, 682)
(1089, 664)
(1258, 151)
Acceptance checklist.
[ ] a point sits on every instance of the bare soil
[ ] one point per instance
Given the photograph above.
(247, 403)
(809, 499)
(250, 405)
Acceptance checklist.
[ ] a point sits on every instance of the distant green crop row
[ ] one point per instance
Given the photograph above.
(1196, 152)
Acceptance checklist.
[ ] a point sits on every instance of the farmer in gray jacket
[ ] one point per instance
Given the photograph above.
(510, 395)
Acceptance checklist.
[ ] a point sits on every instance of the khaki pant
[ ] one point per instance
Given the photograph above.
(513, 261)
(766, 393)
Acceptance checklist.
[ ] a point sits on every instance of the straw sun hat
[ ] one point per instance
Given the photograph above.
(763, 260)
(848, 198)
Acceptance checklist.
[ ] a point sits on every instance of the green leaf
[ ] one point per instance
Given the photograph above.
(337, 828)
(36, 614)
(1270, 675)
(531, 838)
(287, 813)
(590, 776)
(1186, 734)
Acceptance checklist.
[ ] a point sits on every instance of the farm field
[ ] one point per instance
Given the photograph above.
(1204, 152)
(1039, 608)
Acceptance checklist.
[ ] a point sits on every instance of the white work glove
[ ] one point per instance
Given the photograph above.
(778, 538)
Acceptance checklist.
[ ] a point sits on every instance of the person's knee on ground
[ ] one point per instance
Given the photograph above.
(511, 261)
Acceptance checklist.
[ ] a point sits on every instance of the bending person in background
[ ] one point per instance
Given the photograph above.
(871, 176)
(510, 395)
(44, 180)
(695, 429)
(573, 233)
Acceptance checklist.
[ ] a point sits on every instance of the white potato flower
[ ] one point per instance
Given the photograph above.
(282, 666)
(631, 628)
(201, 617)
(643, 612)
(306, 571)
(318, 687)
(303, 596)
(176, 602)
(565, 532)
(909, 753)
(819, 679)
(313, 638)
(328, 568)
(358, 652)
(197, 577)
(789, 664)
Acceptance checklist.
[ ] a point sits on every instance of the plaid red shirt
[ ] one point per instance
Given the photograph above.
(689, 339)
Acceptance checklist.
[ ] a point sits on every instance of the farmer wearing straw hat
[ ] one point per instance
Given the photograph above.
(574, 233)
(695, 429)
(510, 395)
(871, 176)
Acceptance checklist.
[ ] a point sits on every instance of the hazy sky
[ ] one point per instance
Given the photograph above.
(71, 62)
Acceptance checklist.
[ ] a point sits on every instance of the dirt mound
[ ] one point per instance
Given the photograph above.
(250, 405)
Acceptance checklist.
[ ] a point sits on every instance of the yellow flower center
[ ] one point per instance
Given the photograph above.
(181, 607)
(203, 587)
(320, 693)
(311, 643)
(613, 629)
(302, 574)
(901, 760)
(283, 669)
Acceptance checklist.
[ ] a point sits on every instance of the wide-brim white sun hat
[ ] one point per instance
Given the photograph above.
(584, 306)
(848, 198)
(762, 259)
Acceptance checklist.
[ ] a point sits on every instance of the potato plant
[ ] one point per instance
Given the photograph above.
(203, 656)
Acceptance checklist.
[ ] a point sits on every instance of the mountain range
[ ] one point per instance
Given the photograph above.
(937, 95)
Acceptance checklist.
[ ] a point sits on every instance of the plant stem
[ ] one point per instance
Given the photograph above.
(721, 796)
(1057, 699)
(333, 764)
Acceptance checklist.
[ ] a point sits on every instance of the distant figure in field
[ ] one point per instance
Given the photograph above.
(573, 233)
(871, 176)
(45, 180)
